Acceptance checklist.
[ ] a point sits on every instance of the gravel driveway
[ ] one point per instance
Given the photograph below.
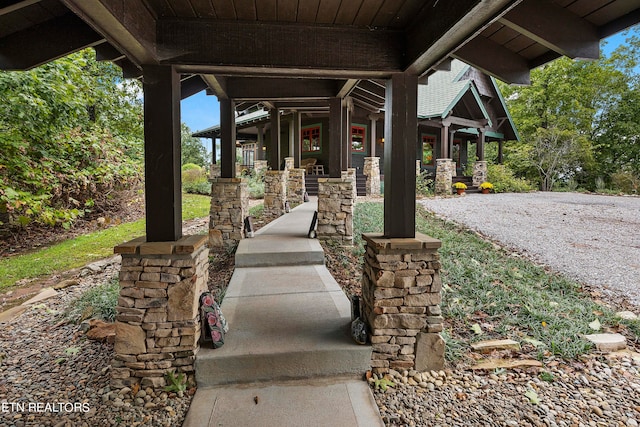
(594, 239)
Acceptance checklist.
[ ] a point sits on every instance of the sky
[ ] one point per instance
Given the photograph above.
(202, 111)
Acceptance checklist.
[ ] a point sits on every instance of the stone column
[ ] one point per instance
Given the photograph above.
(296, 186)
(215, 171)
(275, 193)
(335, 209)
(288, 163)
(259, 166)
(372, 172)
(157, 321)
(401, 295)
(445, 170)
(350, 174)
(418, 169)
(229, 208)
(479, 172)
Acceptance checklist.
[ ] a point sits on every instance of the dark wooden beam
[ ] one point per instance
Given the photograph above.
(270, 45)
(5, 10)
(129, 27)
(620, 24)
(45, 42)
(191, 85)
(554, 27)
(274, 143)
(281, 71)
(280, 88)
(464, 123)
(494, 59)
(217, 84)
(106, 52)
(227, 138)
(401, 122)
(129, 69)
(456, 22)
(335, 138)
(347, 87)
(163, 192)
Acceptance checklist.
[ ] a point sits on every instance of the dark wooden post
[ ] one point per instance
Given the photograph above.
(214, 150)
(260, 151)
(444, 142)
(401, 122)
(335, 138)
(346, 136)
(372, 136)
(274, 149)
(480, 144)
(296, 139)
(227, 138)
(500, 144)
(163, 193)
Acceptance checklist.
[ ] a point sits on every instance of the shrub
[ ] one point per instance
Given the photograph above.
(194, 180)
(625, 181)
(424, 184)
(99, 302)
(504, 180)
(255, 184)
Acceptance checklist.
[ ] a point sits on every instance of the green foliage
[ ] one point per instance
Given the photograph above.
(70, 138)
(193, 151)
(177, 383)
(625, 181)
(424, 184)
(99, 302)
(255, 183)
(195, 180)
(504, 180)
(257, 210)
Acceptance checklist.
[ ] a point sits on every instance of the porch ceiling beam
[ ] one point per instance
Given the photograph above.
(457, 22)
(620, 24)
(555, 28)
(129, 69)
(464, 123)
(217, 84)
(301, 105)
(347, 87)
(266, 45)
(280, 88)
(16, 6)
(28, 48)
(129, 28)
(494, 59)
(106, 52)
(191, 85)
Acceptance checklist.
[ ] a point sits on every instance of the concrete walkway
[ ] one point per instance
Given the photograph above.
(288, 359)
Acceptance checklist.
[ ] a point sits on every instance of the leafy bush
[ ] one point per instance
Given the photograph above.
(255, 184)
(625, 181)
(99, 302)
(194, 180)
(504, 180)
(424, 184)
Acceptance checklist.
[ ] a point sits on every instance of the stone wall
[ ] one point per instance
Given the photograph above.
(372, 172)
(335, 209)
(215, 171)
(296, 186)
(260, 166)
(288, 163)
(350, 174)
(229, 208)
(479, 172)
(157, 321)
(445, 170)
(401, 295)
(275, 193)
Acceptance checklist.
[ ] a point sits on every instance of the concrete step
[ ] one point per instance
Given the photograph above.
(317, 403)
(285, 323)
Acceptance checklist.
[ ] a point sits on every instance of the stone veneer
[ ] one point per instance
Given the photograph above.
(401, 295)
(157, 321)
(259, 166)
(335, 209)
(372, 172)
(479, 172)
(214, 171)
(229, 208)
(288, 163)
(296, 186)
(445, 170)
(350, 174)
(275, 193)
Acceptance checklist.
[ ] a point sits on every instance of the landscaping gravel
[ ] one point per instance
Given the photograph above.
(594, 239)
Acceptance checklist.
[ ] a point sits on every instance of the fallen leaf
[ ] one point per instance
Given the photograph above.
(533, 396)
(534, 342)
(595, 325)
(476, 329)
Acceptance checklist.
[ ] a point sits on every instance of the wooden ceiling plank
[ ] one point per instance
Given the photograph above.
(367, 13)
(246, 10)
(519, 43)
(347, 12)
(271, 45)
(183, 8)
(307, 11)
(224, 9)
(203, 9)
(555, 28)
(5, 10)
(622, 23)
(267, 10)
(287, 10)
(494, 60)
(327, 11)
(387, 13)
(27, 49)
(160, 8)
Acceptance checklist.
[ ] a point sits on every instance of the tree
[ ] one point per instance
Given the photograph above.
(193, 151)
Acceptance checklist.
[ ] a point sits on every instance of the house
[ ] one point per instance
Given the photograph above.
(459, 110)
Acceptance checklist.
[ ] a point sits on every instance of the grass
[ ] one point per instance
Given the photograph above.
(81, 250)
(508, 296)
(98, 302)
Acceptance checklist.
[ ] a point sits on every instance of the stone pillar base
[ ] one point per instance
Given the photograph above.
(259, 166)
(296, 186)
(214, 171)
(372, 172)
(335, 209)
(445, 170)
(157, 321)
(275, 193)
(350, 174)
(401, 295)
(229, 208)
(479, 172)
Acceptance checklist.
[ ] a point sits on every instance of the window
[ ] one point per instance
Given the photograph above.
(358, 134)
(428, 150)
(455, 152)
(311, 141)
(248, 154)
